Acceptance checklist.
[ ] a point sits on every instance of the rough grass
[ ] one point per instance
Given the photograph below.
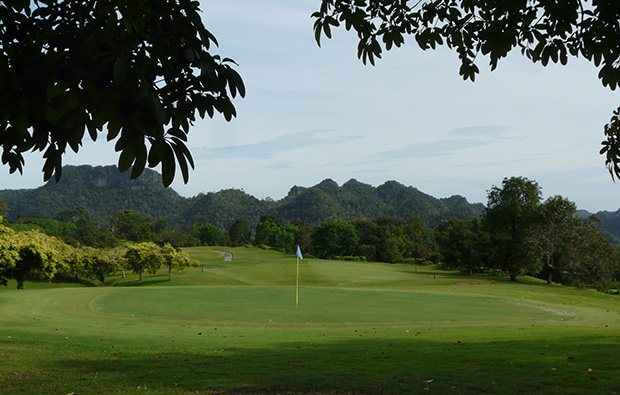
(360, 328)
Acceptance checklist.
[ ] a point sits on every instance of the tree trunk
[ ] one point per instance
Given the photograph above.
(550, 265)
(513, 277)
(140, 275)
(169, 272)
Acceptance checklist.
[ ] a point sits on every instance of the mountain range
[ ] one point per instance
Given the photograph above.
(102, 190)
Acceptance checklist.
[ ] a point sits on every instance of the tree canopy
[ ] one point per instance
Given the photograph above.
(141, 70)
(509, 213)
(543, 31)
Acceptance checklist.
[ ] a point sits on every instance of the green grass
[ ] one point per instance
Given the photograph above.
(232, 327)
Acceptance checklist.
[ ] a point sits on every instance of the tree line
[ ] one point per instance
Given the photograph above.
(518, 234)
(76, 248)
(521, 234)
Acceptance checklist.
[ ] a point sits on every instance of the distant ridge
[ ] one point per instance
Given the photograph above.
(327, 201)
(102, 190)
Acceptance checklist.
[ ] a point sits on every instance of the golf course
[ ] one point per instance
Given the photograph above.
(359, 328)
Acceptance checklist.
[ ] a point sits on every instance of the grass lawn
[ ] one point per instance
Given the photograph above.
(232, 327)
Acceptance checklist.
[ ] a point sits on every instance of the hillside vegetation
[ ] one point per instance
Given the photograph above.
(103, 190)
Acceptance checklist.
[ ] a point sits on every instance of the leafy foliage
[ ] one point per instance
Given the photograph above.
(100, 190)
(129, 226)
(588, 258)
(509, 211)
(354, 200)
(28, 255)
(334, 238)
(210, 235)
(141, 70)
(222, 208)
(99, 264)
(464, 244)
(553, 226)
(143, 257)
(239, 232)
(175, 259)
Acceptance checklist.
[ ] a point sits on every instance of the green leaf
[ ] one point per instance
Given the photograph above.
(114, 127)
(120, 71)
(317, 31)
(182, 161)
(55, 90)
(140, 162)
(167, 165)
(50, 113)
(126, 158)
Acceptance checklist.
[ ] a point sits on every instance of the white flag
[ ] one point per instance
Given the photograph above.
(298, 253)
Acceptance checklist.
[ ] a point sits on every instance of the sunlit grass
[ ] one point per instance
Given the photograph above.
(359, 328)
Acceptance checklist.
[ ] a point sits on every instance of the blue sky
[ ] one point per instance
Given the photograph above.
(313, 113)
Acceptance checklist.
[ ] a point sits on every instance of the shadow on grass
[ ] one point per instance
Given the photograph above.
(140, 283)
(364, 366)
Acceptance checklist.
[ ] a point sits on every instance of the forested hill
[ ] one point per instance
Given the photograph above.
(103, 190)
(100, 190)
(327, 201)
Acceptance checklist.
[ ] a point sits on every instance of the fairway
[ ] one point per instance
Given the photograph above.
(254, 305)
(359, 328)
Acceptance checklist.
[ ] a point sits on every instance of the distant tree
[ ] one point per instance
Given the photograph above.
(8, 254)
(283, 237)
(590, 259)
(77, 228)
(130, 226)
(239, 232)
(334, 238)
(101, 263)
(3, 209)
(177, 238)
(210, 235)
(264, 229)
(303, 236)
(419, 240)
(143, 257)
(509, 213)
(175, 259)
(271, 218)
(392, 244)
(71, 262)
(552, 228)
(463, 244)
(36, 259)
(116, 256)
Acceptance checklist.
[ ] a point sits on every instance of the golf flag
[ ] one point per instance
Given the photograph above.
(299, 256)
(298, 253)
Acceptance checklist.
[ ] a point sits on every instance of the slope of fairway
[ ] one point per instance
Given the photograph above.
(251, 304)
(233, 327)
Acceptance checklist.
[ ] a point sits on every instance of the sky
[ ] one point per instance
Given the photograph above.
(313, 113)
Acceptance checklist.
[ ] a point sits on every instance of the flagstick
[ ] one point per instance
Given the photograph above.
(297, 287)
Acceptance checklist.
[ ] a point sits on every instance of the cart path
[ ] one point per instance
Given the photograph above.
(228, 256)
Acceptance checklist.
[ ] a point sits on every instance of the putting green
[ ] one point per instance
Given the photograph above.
(276, 305)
